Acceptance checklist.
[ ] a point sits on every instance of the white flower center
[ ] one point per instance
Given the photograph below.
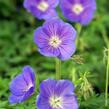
(55, 41)
(77, 8)
(27, 87)
(56, 102)
(43, 6)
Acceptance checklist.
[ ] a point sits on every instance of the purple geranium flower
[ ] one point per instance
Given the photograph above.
(41, 9)
(22, 86)
(56, 39)
(81, 11)
(57, 95)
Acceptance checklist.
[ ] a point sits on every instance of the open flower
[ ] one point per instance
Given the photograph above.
(22, 86)
(81, 11)
(41, 9)
(57, 95)
(56, 39)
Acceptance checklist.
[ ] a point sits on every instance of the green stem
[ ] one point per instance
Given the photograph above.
(79, 29)
(58, 69)
(106, 40)
(107, 79)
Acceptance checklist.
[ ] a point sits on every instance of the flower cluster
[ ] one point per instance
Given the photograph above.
(57, 38)
(53, 94)
(81, 11)
(54, 38)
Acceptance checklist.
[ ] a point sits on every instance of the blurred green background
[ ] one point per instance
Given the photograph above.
(17, 49)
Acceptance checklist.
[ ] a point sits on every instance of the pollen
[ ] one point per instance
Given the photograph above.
(55, 102)
(55, 41)
(77, 9)
(43, 6)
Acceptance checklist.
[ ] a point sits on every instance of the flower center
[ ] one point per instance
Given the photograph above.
(55, 102)
(55, 42)
(43, 6)
(27, 87)
(77, 8)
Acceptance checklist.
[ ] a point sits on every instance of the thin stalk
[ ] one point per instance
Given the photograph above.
(58, 69)
(37, 83)
(79, 29)
(107, 79)
(106, 40)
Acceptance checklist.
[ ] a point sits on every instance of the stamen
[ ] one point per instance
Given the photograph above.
(43, 6)
(55, 102)
(55, 41)
(77, 8)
